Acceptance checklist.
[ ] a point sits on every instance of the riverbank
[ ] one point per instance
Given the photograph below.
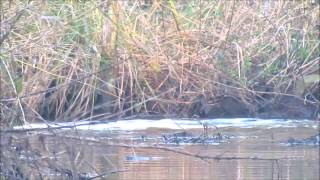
(68, 60)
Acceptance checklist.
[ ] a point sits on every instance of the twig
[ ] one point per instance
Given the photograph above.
(16, 92)
(202, 157)
(106, 174)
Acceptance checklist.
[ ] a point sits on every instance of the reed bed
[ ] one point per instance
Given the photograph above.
(68, 60)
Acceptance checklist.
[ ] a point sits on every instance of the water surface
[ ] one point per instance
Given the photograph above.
(135, 149)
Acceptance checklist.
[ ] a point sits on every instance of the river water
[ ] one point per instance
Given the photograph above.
(167, 149)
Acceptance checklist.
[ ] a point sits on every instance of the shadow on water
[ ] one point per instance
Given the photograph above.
(212, 149)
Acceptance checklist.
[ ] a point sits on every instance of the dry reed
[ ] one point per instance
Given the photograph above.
(60, 58)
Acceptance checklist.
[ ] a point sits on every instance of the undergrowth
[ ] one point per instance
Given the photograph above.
(69, 60)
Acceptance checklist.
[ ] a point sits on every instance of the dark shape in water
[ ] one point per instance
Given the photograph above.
(311, 141)
(189, 138)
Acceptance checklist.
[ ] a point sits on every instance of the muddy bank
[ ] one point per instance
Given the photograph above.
(265, 106)
(226, 103)
(281, 107)
(261, 101)
(284, 107)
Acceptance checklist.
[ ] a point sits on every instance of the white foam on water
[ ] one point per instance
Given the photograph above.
(142, 124)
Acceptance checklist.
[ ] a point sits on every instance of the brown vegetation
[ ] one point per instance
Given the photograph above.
(67, 60)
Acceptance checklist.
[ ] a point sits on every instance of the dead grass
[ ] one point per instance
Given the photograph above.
(61, 57)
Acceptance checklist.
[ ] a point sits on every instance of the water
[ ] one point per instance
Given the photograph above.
(136, 149)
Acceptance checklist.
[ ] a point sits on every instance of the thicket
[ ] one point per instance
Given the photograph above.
(65, 60)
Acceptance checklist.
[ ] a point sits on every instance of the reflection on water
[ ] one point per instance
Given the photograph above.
(257, 152)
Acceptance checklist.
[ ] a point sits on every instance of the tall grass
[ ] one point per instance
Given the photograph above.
(61, 58)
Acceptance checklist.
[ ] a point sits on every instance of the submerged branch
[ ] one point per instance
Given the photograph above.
(186, 153)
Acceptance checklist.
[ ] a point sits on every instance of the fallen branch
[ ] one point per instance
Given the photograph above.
(202, 157)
